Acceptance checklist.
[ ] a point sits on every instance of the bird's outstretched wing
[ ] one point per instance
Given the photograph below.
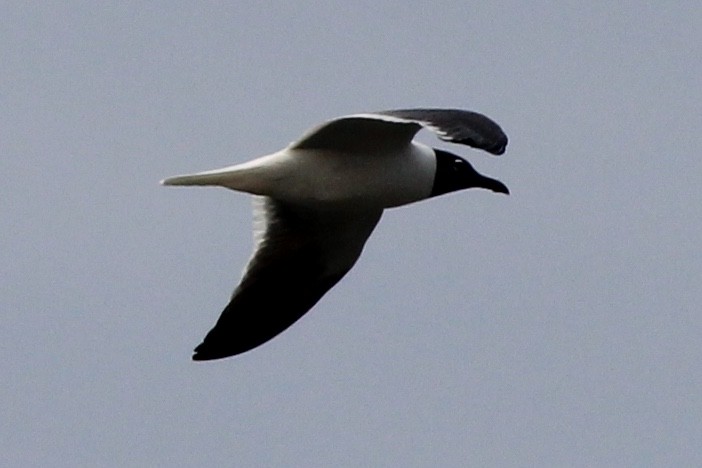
(396, 128)
(299, 255)
(458, 126)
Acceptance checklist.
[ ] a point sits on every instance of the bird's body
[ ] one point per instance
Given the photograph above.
(319, 199)
(324, 177)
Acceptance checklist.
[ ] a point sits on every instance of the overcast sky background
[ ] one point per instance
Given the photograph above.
(560, 326)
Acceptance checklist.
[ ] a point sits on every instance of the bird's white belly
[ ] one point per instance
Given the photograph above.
(379, 180)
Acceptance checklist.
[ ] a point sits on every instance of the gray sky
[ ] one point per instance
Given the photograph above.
(559, 326)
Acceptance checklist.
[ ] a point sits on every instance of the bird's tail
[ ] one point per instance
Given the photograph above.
(216, 177)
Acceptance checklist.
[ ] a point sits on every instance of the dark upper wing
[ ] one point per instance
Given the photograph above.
(299, 257)
(396, 128)
(458, 126)
(359, 133)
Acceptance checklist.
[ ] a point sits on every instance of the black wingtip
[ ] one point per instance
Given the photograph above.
(206, 353)
(499, 148)
(198, 356)
(210, 356)
(210, 350)
(495, 148)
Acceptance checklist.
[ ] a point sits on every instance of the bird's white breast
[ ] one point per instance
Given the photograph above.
(384, 179)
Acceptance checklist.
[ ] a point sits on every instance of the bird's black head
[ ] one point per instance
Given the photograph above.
(455, 173)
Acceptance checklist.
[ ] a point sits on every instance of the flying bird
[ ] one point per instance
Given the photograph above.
(317, 201)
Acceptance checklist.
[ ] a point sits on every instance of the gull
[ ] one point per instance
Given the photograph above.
(317, 201)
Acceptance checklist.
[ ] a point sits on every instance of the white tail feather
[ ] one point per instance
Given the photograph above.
(222, 177)
(193, 179)
(247, 177)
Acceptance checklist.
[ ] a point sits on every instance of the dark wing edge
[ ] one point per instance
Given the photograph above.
(359, 133)
(457, 126)
(288, 274)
